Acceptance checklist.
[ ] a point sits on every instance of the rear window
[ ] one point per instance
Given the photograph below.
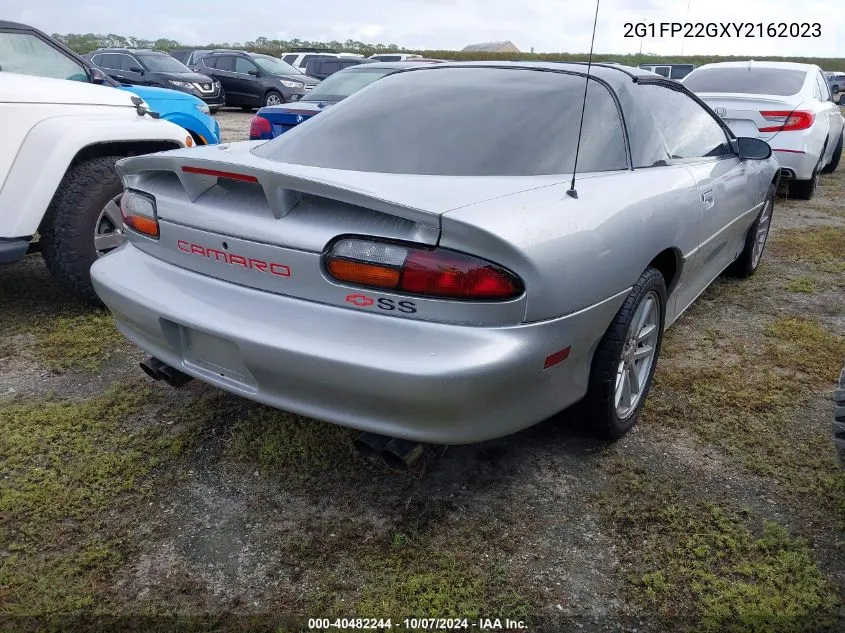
(744, 80)
(342, 84)
(462, 122)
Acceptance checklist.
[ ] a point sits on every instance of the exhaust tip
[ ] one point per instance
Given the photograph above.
(401, 454)
(152, 367)
(370, 445)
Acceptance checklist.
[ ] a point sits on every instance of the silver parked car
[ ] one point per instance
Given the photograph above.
(414, 262)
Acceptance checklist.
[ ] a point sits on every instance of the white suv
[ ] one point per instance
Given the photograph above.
(60, 142)
(786, 104)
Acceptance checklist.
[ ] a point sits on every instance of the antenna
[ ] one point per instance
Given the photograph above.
(572, 193)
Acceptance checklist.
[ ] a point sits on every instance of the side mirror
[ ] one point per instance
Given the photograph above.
(98, 77)
(136, 69)
(752, 148)
(252, 72)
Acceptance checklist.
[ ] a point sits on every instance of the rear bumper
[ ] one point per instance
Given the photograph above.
(423, 381)
(13, 248)
(795, 154)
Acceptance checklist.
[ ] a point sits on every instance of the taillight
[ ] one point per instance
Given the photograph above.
(434, 272)
(258, 127)
(139, 212)
(787, 120)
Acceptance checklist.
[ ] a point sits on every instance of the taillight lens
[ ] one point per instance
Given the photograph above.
(787, 120)
(139, 212)
(436, 272)
(258, 127)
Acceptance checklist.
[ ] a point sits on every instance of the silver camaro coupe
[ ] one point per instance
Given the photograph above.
(416, 262)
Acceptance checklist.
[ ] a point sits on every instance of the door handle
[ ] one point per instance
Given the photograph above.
(707, 199)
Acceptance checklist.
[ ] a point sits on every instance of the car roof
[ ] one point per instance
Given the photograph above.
(124, 49)
(389, 65)
(5, 24)
(611, 73)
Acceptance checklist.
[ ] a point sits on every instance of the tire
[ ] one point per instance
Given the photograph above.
(750, 257)
(804, 189)
(213, 110)
(604, 416)
(837, 154)
(67, 231)
(273, 98)
(839, 418)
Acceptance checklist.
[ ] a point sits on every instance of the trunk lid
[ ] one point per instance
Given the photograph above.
(283, 118)
(269, 227)
(742, 112)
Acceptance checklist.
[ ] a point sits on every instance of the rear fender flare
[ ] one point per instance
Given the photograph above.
(52, 145)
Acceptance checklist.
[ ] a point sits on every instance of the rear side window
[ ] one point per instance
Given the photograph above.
(289, 58)
(824, 89)
(462, 122)
(688, 130)
(225, 62)
(389, 58)
(108, 60)
(742, 79)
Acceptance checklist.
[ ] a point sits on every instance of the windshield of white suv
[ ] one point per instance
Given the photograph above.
(274, 66)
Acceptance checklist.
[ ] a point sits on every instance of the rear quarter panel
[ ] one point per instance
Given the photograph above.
(574, 253)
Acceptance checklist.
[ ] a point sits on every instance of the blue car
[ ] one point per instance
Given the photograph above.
(180, 108)
(270, 121)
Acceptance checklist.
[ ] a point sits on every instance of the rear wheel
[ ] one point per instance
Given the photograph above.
(625, 360)
(834, 162)
(804, 189)
(82, 223)
(755, 241)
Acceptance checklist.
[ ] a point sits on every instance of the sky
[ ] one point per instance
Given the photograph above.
(544, 25)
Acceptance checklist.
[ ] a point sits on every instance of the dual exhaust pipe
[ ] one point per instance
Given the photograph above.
(157, 370)
(396, 453)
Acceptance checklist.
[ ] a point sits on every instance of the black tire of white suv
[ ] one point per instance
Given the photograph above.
(67, 231)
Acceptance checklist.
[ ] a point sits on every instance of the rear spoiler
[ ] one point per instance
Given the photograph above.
(283, 184)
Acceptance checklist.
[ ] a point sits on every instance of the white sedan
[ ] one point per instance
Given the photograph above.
(785, 104)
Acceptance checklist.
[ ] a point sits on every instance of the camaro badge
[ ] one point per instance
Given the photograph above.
(721, 112)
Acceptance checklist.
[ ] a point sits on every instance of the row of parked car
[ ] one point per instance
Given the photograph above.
(421, 260)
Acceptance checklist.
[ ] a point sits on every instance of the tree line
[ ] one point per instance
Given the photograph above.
(85, 43)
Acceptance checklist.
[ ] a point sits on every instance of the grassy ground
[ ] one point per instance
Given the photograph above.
(723, 511)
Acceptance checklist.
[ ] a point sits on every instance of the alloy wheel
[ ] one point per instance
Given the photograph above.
(273, 99)
(637, 356)
(108, 230)
(762, 233)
